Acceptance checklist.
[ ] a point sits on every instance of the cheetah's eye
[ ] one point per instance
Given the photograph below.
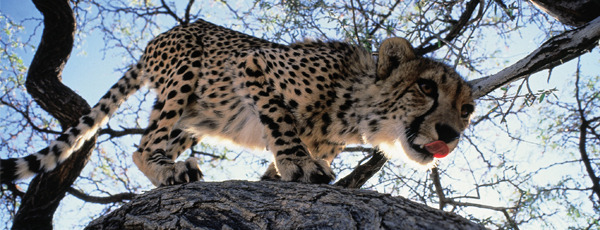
(427, 87)
(466, 110)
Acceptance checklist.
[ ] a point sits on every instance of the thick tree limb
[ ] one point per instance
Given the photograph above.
(44, 84)
(359, 176)
(557, 50)
(274, 205)
(570, 12)
(44, 77)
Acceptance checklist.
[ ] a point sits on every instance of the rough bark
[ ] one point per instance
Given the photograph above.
(359, 176)
(570, 12)
(44, 84)
(45, 72)
(274, 205)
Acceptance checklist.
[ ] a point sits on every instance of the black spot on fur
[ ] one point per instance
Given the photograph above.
(280, 142)
(326, 122)
(188, 76)
(186, 88)
(55, 151)
(182, 69)
(63, 138)
(105, 109)
(254, 73)
(172, 94)
(74, 131)
(175, 133)
(293, 104)
(87, 120)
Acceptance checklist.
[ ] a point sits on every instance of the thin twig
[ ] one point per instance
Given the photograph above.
(583, 137)
(121, 197)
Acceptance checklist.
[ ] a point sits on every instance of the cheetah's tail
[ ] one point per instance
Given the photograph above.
(72, 139)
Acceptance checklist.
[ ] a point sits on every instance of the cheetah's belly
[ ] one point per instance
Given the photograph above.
(240, 126)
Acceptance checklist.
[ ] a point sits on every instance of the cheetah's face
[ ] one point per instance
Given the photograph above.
(442, 105)
(430, 106)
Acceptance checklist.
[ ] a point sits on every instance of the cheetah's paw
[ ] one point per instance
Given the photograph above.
(305, 170)
(181, 172)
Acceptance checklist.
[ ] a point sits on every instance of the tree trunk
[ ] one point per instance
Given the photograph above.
(274, 205)
(44, 84)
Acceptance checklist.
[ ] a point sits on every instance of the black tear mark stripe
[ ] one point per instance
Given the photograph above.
(415, 125)
(457, 93)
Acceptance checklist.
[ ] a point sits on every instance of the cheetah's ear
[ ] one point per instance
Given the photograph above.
(392, 52)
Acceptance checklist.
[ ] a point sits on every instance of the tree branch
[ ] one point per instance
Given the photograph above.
(274, 205)
(188, 8)
(454, 31)
(570, 12)
(44, 76)
(119, 133)
(173, 14)
(557, 50)
(25, 115)
(583, 139)
(359, 176)
(43, 82)
(121, 197)
(379, 24)
(439, 190)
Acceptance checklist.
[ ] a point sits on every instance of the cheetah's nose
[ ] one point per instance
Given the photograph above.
(446, 133)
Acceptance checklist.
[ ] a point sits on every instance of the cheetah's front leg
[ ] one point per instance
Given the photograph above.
(292, 160)
(292, 163)
(163, 140)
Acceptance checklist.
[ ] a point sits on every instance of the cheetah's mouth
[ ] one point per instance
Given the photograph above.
(437, 149)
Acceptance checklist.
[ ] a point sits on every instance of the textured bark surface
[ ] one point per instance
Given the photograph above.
(44, 84)
(45, 72)
(359, 176)
(274, 205)
(570, 12)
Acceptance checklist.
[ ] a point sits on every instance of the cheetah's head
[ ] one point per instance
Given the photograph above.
(425, 105)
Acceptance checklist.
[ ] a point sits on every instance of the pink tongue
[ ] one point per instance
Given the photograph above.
(439, 149)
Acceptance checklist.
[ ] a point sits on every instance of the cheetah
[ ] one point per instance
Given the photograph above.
(303, 102)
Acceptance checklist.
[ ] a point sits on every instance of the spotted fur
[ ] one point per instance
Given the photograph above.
(304, 102)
